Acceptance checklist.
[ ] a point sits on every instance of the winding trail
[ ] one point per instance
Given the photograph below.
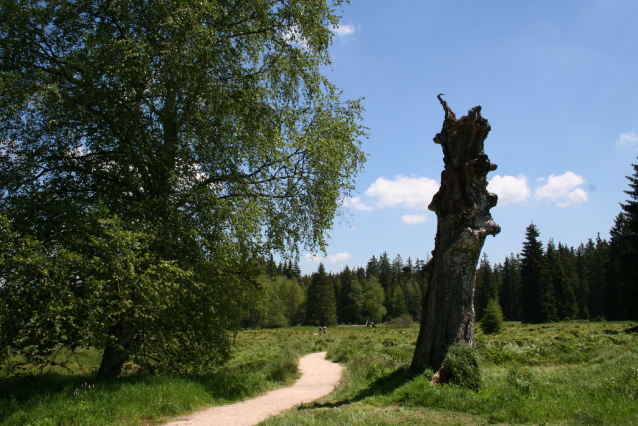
(318, 378)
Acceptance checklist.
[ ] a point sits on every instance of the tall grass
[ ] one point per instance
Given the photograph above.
(263, 361)
(573, 373)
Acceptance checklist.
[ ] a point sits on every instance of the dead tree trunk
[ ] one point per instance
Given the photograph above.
(462, 207)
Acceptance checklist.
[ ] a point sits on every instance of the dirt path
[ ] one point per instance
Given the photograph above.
(318, 378)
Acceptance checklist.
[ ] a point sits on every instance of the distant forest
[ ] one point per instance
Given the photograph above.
(597, 280)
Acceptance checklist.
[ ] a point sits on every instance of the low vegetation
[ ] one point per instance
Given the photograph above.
(571, 373)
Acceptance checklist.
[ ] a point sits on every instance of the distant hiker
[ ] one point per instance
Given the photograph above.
(367, 323)
(325, 330)
(320, 330)
(373, 326)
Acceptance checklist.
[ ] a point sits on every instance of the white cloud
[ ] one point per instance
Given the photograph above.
(339, 257)
(627, 139)
(410, 192)
(413, 219)
(562, 189)
(509, 189)
(333, 258)
(357, 203)
(343, 30)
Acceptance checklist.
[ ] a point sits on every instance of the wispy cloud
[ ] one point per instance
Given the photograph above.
(333, 258)
(343, 30)
(414, 219)
(357, 203)
(627, 139)
(509, 189)
(563, 189)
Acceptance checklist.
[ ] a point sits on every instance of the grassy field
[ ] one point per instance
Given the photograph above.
(574, 373)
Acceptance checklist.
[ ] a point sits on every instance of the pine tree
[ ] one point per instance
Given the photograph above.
(492, 321)
(398, 306)
(563, 279)
(385, 271)
(372, 268)
(511, 288)
(627, 262)
(613, 304)
(581, 289)
(485, 287)
(537, 298)
(321, 308)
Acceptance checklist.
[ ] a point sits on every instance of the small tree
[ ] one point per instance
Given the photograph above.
(492, 321)
(374, 297)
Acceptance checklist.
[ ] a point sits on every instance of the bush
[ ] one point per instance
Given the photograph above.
(492, 321)
(462, 362)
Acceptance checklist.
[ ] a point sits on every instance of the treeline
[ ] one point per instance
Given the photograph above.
(596, 280)
(544, 283)
(554, 282)
(382, 290)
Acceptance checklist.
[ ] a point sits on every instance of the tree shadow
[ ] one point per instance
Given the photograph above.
(383, 386)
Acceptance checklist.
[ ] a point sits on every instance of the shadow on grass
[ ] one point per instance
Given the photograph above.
(382, 386)
(23, 391)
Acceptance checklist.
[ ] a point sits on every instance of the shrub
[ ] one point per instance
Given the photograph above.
(462, 362)
(492, 321)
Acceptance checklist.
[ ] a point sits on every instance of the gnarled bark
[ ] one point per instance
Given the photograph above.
(462, 207)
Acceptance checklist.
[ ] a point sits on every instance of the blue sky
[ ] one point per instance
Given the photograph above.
(558, 82)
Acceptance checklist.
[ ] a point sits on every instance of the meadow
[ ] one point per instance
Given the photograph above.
(570, 373)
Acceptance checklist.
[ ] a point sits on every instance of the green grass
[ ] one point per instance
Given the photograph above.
(573, 373)
(263, 361)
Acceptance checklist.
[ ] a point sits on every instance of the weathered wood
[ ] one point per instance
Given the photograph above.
(462, 207)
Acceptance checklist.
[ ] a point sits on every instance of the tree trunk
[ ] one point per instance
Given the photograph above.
(115, 354)
(462, 207)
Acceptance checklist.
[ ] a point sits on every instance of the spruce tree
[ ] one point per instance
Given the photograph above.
(321, 308)
(492, 321)
(485, 287)
(613, 303)
(563, 279)
(627, 262)
(537, 297)
(398, 306)
(511, 288)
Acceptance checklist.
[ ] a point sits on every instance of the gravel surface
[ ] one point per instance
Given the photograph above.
(318, 378)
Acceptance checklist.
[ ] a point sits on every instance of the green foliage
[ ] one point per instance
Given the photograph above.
(626, 260)
(537, 292)
(374, 297)
(492, 321)
(261, 362)
(585, 374)
(204, 130)
(464, 367)
(321, 308)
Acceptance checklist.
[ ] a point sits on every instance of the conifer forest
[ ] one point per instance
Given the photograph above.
(546, 281)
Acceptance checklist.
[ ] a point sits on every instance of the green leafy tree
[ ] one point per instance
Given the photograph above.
(206, 129)
(398, 306)
(374, 297)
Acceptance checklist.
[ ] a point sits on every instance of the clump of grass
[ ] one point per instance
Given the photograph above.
(463, 365)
